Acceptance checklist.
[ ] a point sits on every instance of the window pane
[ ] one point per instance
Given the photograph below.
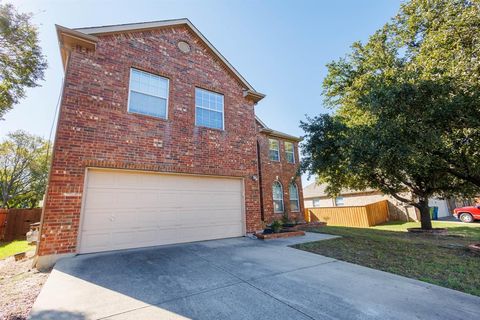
(289, 154)
(273, 144)
(148, 94)
(274, 155)
(278, 206)
(294, 205)
(274, 152)
(208, 109)
(290, 157)
(148, 83)
(148, 105)
(277, 197)
(208, 118)
(316, 202)
(288, 147)
(277, 191)
(339, 201)
(293, 192)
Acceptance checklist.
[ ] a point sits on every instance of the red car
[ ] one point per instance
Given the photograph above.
(467, 214)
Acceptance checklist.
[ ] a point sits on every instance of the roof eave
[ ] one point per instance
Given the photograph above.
(279, 134)
(69, 38)
(254, 95)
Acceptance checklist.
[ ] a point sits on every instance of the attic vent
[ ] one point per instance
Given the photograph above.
(183, 46)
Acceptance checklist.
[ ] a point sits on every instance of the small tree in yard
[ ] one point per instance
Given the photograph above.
(406, 108)
(21, 61)
(23, 170)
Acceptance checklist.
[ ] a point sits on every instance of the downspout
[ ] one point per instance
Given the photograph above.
(262, 214)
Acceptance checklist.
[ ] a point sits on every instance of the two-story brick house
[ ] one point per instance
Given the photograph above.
(157, 143)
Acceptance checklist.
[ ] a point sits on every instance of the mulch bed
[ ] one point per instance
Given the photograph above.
(284, 234)
(20, 285)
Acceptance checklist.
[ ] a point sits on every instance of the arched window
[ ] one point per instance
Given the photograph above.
(294, 203)
(277, 197)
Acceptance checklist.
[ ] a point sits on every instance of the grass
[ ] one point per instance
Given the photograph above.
(441, 260)
(8, 249)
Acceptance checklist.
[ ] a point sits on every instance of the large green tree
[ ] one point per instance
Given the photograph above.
(22, 64)
(406, 108)
(24, 164)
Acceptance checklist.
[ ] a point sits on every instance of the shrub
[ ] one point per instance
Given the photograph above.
(276, 226)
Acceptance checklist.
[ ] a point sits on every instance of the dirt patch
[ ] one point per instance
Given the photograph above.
(20, 285)
(435, 231)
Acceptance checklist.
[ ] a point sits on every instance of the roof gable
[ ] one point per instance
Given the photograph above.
(80, 36)
(270, 132)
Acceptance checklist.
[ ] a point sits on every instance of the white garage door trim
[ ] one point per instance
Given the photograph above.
(88, 173)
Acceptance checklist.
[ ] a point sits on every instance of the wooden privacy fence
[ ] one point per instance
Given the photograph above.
(15, 223)
(356, 216)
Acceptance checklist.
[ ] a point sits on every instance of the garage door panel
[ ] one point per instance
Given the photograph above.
(208, 231)
(95, 241)
(129, 209)
(97, 219)
(214, 215)
(211, 201)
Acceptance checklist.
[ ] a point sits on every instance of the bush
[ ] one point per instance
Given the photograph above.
(276, 226)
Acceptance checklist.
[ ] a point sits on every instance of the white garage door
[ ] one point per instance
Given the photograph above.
(124, 209)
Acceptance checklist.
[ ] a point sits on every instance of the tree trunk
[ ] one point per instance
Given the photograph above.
(425, 219)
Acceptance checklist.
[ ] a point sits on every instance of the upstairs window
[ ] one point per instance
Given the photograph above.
(208, 109)
(277, 197)
(294, 201)
(289, 152)
(148, 94)
(274, 151)
(316, 203)
(339, 201)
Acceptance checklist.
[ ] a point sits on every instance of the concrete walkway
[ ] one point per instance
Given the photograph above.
(238, 278)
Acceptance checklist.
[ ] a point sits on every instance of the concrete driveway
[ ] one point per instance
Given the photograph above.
(238, 278)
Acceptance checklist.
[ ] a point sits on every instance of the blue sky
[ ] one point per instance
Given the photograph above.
(280, 47)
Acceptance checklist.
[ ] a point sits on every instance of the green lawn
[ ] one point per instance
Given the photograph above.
(442, 260)
(8, 249)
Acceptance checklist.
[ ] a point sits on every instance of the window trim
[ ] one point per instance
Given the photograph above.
(278, 151)
(292, 152)
(195, 107)
(290, 197)
(167, 98)
(276, 182)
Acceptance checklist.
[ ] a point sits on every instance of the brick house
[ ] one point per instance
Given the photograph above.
(157, 142)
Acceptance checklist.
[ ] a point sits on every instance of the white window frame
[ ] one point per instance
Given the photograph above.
(317, 201)
(341, 204)
(166, 98)
(201, 107)
(288, 152)
(278, 150)
(290, 197)
(273, 197)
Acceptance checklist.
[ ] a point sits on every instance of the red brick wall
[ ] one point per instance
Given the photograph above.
(283, 172)
(95, 129)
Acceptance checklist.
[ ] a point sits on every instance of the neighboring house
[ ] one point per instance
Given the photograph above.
(157, 143)
(315, 196)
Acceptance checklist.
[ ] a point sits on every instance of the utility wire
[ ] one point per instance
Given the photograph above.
(53, 124)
